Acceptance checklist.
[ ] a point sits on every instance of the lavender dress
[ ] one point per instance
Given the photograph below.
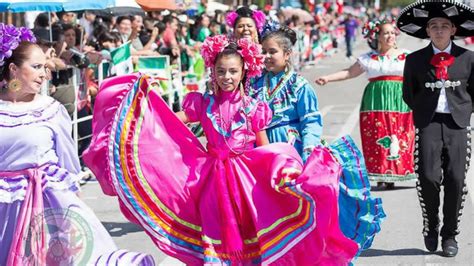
(42, 220)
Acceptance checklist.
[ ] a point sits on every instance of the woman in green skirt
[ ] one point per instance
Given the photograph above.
(386, 123)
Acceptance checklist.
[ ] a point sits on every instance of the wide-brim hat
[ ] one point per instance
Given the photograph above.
(414, 18)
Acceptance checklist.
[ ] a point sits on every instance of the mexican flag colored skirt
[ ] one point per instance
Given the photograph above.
(387, 131)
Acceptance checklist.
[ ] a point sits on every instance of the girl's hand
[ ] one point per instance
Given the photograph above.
(322, 80)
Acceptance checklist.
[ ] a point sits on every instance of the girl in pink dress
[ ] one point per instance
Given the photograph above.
(231, 203)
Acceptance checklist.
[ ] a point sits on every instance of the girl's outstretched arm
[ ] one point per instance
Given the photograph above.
(351, 72)
(261, 138)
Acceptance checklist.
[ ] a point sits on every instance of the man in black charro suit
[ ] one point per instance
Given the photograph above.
(439, 87)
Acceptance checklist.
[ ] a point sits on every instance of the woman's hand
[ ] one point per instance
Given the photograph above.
(322, 80)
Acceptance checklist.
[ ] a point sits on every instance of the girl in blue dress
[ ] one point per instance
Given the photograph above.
(296, 116)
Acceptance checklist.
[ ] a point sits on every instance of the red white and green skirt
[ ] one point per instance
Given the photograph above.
(387, 131)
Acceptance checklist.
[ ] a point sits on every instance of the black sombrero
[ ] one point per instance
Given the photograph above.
(414, 18)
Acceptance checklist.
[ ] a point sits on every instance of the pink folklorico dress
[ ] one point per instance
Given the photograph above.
(228, 203)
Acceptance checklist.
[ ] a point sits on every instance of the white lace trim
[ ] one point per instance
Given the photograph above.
(16, 114)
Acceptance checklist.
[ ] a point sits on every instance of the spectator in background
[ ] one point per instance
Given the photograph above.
(87, 22)
(107, 42)
(298, 49)
(203, 30)
(42, 27)
(137, 25)
(161, 30)
(129, 33)
(185, 43)
(219, 17)
(215, 28)
(124, 27)
(149, 47)
(169, 35)
(170, 42)
(67, 17)
(145, 34)
(99, 27)
(246, 23)
(350, 28)
(61, 77)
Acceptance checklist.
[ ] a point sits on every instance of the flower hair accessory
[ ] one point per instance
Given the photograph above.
(253, 57)
(251, 53)
(371, 29)
(11, 37)
(213, 46)
(270, 26)
(257, 16)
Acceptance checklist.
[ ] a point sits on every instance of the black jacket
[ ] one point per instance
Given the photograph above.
(423, 101)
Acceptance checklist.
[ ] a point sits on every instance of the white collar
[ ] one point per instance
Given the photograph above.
(447, 50)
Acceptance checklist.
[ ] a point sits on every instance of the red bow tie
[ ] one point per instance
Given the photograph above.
(442, 61)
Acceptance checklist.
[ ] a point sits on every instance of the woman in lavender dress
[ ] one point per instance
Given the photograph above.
(43, 222)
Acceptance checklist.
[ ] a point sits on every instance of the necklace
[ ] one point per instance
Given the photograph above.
(227, 127)
(272, 91)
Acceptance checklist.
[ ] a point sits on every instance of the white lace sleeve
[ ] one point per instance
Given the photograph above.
(363, 61)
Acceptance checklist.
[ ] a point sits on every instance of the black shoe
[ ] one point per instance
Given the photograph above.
(450, 247)
(431, 242)
(389, 185)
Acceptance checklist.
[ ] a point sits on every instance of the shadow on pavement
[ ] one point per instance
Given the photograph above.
(383, 188)
(396, 252)
(120, 229)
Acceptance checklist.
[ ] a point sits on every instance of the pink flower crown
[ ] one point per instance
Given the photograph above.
(251, 53)
(10, 38)
(371, 29)
(257, 16)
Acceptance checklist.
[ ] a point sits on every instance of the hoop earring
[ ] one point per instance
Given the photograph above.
(14, 85)
(287, 66)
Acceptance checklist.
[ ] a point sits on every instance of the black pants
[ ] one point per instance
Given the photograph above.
(349, 44)
(442, 154)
